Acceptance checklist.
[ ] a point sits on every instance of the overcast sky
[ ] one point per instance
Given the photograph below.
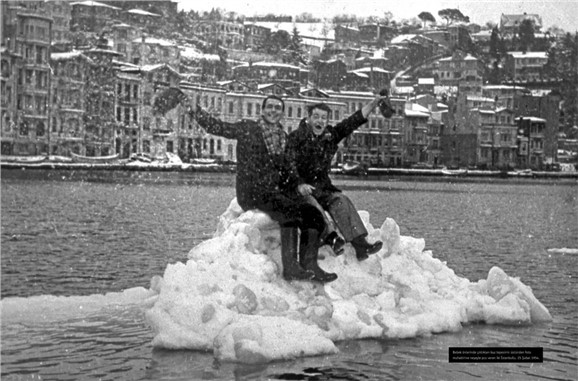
(563, 14)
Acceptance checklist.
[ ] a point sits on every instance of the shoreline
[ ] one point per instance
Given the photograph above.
(231, 168)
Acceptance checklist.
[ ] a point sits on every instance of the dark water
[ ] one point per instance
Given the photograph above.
(85, 234)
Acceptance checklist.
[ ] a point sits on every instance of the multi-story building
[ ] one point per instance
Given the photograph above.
(152, 51)
(100, 105)
(347, 35)
(376, 34)
(68, 103)
(525, 67)
(92, 16)
(547, 109)
(503, 95)
(269, 72)
(462, 70)
(225, 33)
(329, 74)
(26, 34)
(510, 24)
(497, 137)
(61, 13)
(255, 35)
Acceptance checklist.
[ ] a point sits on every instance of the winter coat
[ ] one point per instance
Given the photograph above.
(259, 174)
(313, 154)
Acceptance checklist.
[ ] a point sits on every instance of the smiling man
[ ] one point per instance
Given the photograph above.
(268, 181)
(312, 147)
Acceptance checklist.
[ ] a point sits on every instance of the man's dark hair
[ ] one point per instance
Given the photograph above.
(320, 106)
(272, 97)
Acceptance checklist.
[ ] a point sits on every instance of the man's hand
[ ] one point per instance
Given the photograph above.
(368, 108)
(305, 189)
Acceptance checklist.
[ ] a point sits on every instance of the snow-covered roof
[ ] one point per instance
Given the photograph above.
(402, 38)
(533, 119)
(417, 114)
(275, 64)
(468, 57)
(416, 107)
(529, 54)
(359, 74)
(66, 55)
(369, 69)
(425, 81)
(93, 4)
(192, 53)
(315, 30)
(153, 40)
(142, 13)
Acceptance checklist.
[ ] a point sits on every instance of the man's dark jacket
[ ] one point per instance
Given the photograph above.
(313, 154)
(259, 174)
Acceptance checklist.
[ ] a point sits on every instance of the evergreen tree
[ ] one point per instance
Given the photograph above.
(526, 35)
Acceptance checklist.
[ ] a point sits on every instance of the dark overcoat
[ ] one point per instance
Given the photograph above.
(313, 154)
(260, 175)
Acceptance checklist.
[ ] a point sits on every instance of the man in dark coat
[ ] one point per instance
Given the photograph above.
(268, 181)
(312, 147)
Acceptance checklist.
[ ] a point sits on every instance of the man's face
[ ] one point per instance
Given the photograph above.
(318, 121)
(273, 111)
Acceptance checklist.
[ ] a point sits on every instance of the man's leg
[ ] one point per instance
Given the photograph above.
(292, 213)
(329, 236)
(350, 224)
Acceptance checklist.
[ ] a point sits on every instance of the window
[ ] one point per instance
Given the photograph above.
(170, 146)
(290, 112)
(231, 107)
(135, 92)
(135, 115)
(257, 108)
(118, 114)
(249, 109)
(23, 130)
(298, 112)
(219, 145)
(336, 114)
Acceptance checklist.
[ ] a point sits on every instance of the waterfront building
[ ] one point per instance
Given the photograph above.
(26, 32)
(100, 104)
(68, 101)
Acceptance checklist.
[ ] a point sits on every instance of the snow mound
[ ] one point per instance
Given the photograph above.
(230, 298)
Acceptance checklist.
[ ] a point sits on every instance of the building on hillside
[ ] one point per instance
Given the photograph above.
(367, 79)
(168, 9)
(329, 74)
(92, 16)
(151, 51)
(143, 19)
(379, 62)
(25, 79)
(462, 70)
(376, 34)
(347, 35)
(459, 37)
(269, 72)
(503, 95)
(525, 67)
(255, 35)
(510, 24)
(225, 33)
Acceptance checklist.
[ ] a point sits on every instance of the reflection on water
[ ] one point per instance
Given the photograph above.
(93, 233)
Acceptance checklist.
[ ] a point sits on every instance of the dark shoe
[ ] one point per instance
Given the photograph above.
(308, 251)
(336, 243)
(292, 270)
(364, 249)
